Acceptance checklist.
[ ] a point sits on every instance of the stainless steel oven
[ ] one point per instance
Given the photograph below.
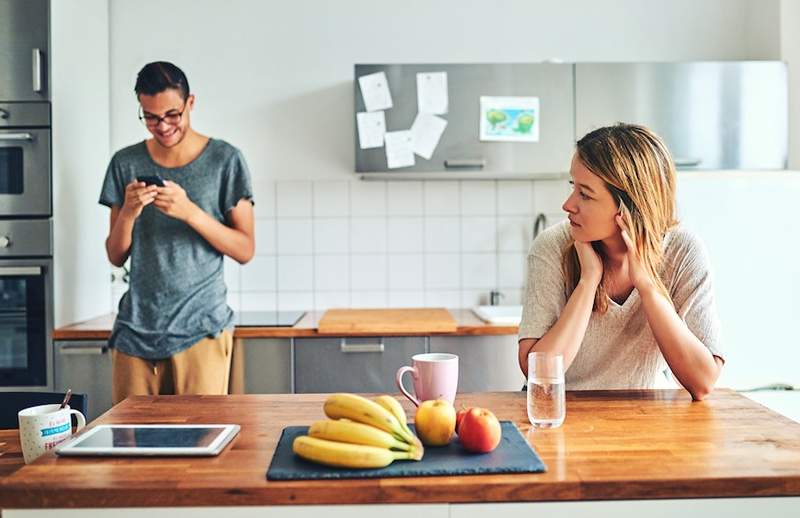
(25, 176)
(26, 305)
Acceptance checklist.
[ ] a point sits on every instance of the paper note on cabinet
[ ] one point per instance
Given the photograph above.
(399, 149)
(375, 91)
(371, 129)
(432, 92)
(426, 131)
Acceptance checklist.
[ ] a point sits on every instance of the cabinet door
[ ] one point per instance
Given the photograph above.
(261, 366)
(485, 363)
(23, 50)
(85, 367)
(352, 364)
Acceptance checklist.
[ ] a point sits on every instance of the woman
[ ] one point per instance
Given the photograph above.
(620, 290)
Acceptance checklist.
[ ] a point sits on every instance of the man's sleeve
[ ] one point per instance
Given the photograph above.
(237, 185)
(113, 191)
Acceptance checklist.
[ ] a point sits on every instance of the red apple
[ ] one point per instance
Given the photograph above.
(460, 415)
(479, 431)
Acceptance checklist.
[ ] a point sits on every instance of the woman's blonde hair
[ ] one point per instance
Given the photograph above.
(639, 173)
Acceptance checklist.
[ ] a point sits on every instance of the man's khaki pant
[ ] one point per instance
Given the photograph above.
(203, 368)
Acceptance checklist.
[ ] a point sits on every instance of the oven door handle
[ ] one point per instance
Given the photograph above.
(7, 271)
(16, 136)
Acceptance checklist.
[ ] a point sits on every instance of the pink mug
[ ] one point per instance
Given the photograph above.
(435, 377)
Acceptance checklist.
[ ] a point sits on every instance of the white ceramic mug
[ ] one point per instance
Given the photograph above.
(43, 427)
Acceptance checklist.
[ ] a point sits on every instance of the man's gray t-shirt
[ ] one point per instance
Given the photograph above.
(177, 292)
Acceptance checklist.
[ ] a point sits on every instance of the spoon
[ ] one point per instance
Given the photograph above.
(66, 399)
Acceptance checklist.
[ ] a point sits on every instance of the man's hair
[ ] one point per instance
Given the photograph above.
(157, 76)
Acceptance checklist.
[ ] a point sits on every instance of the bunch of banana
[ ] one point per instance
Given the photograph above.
(360, 433)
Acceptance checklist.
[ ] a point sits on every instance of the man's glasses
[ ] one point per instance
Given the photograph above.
(151, 120)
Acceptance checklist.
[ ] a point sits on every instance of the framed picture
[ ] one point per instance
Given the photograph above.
(509, 119)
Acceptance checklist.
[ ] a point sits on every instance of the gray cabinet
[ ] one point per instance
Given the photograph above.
(85, 367)
(24, 42)
(262, 366)
(460, 144)
(352, 364)
(485, 363)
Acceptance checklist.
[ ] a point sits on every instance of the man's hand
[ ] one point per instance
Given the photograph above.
(137, 196)
(172, 201)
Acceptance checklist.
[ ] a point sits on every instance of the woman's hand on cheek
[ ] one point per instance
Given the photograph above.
(639, 277)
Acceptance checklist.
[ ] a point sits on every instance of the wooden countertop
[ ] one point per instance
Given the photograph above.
(614, 445)
(10, 452)
(467, 324)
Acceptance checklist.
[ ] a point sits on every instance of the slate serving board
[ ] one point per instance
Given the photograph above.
(512, 455)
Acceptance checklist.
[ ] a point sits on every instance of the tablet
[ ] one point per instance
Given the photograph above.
(151, 439)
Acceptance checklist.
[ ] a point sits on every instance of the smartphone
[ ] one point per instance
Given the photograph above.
(151, 180)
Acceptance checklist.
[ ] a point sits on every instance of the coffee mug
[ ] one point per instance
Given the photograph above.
(43, 427)
(435, 376)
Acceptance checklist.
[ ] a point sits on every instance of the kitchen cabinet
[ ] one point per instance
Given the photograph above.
(262, 366)
(85, 367)
(345, 364)
(485, 363)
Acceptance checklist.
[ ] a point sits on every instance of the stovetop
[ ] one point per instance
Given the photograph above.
(267, 318)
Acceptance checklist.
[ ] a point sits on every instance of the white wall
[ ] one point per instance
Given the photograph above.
(79, 79)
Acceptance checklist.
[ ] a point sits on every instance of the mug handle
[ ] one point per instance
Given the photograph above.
(399, 380)
(81, 419)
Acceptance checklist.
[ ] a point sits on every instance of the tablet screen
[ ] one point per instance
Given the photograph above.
(151, 438)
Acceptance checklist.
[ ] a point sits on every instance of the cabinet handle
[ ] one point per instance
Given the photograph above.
(16, 136)
(83, 349)
(687, 162)
(465, 163)
(37, 70)
(361, 348)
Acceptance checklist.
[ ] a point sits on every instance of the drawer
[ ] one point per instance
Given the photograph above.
(485, 363)
(352, 364)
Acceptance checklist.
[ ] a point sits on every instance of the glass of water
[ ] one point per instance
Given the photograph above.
(546, 398)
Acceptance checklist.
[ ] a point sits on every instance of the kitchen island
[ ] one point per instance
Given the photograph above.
(626, 453)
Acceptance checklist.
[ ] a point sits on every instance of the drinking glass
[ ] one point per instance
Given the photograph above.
(546, 397)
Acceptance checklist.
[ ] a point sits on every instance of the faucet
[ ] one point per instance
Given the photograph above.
(539, 224)
(494, 298)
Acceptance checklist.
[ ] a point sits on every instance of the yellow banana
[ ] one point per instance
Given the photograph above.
(355, 433)
(394, 406)
(362, 410)
(344, 455)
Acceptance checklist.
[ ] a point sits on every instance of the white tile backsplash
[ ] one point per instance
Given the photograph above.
(368, 198)
(368, 299)
(549, 195)
(514, 197)
(406, 271)
(331, 273)
(404, 199)
(406, 299)
(478, 198)
(405, 235)
(331, 236)
(442, 234)
(514, 233)
(293, 199)
(288, 300)
(478, 234)
(259, 301)
(368, 272)
(331, 199)
(349, 243)
(264, 197)
(259, 274)
(511, 270)
(331, 299)
(479, 270)
(442, 271)
(295, 273)
(367, 235)
(442, 198)
(266, 237)
(294, 236)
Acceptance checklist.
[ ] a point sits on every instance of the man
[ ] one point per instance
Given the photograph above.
(173, 332)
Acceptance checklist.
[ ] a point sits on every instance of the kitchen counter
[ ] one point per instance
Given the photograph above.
(615, 446)
(467, 325)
